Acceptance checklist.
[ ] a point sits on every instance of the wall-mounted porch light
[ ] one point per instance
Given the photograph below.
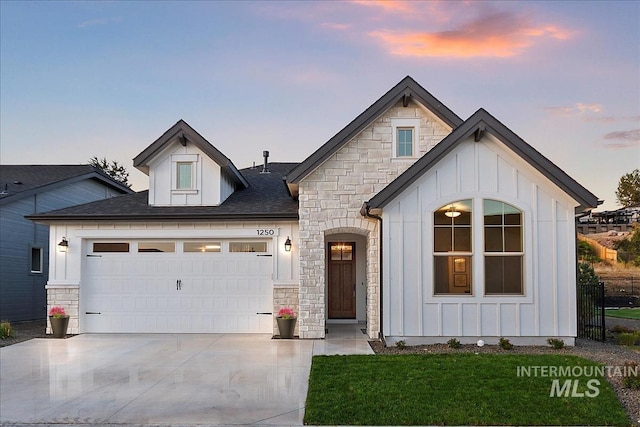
(63, 246)
(287, 244)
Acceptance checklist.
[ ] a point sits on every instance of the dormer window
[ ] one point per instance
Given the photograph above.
(185, 173)
(184, 176)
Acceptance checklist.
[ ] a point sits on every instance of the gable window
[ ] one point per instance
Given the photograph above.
(503, 249)
(405, 142)
(453, 248)
(36, 260)
(405, 137)
(184, 176)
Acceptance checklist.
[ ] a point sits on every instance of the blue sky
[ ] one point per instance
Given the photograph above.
(79, 79)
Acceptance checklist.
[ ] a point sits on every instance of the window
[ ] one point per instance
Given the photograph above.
(405, 137)
(404, 142)
(452, 247)
(503, 249)
(36, 260)
(111, 247)
(156, 247)
(202, 247)
(248, 247)
(184, 176)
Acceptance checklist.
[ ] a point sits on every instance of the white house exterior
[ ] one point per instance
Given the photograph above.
(417, 223)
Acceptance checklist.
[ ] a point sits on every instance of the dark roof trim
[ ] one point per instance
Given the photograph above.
(46, 218)
(479, 123)
(407, 88)
(97, 175)
(186, 133)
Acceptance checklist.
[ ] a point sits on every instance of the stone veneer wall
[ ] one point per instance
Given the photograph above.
(285, 296)
(330, 199)
(68, 298)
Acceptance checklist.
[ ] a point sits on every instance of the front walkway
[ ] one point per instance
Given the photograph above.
(192, 379)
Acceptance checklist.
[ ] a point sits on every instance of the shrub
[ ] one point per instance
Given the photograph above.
(401, 344)
(454, 343)
(632, 377)
(586, 274)
(556, 343)
(619, 329)
(505, 344)
(6, 331)
(626, 338)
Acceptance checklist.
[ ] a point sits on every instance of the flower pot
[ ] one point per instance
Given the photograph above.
(286, 327)
(59, 326)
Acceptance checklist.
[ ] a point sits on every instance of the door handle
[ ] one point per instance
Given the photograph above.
(179, 285)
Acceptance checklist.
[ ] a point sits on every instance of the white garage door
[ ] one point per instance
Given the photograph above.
(177, 287)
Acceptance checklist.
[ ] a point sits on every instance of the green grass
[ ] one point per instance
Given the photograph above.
(626, 313)
(451, 389)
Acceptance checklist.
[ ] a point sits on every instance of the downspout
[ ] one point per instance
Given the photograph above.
(366, 212)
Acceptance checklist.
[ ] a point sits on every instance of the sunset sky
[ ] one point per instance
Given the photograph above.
(83, 79)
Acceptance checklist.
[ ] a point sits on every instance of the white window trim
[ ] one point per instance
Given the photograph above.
(405, 123)
(176, 159)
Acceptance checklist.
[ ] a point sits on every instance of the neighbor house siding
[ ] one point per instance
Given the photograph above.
(330, 199)
(22, 293)
(480, 170)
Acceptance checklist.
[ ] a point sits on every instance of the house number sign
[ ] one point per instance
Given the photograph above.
(266, 232)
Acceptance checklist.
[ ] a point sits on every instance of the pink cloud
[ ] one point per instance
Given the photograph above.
(493, 34)
(579, 108)
(335, 26)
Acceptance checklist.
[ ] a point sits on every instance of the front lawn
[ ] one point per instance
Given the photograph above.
(455, 389)
(625, 313)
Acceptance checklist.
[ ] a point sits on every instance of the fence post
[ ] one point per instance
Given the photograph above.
(603, 330)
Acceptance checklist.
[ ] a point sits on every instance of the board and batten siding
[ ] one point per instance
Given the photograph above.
(477, 171)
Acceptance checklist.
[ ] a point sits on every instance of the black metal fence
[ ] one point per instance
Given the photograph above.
(591, 311)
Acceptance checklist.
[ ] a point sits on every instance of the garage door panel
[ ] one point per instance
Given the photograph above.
(138, 292)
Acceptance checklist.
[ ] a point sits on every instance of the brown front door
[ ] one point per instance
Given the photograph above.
(342, 280)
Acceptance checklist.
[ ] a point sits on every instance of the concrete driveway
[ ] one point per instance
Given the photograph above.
(199, 379)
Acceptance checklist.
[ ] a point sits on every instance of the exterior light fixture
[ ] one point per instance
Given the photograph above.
(287, 244)
(452, 212)
(63, 246)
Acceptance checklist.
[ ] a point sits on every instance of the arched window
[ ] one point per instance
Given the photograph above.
(503, 249)
(501, 246)
(453, 248)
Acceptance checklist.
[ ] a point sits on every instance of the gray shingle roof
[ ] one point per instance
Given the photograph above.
(266, 197)
(18, 181)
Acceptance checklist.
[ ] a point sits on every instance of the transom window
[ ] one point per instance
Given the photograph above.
(404, 142)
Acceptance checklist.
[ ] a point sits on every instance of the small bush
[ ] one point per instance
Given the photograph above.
(454, 343)
(6, 331)
(505, 344)
(556, 343)
(619, 329)
(626, 338)
(632, 379)
(401, 344)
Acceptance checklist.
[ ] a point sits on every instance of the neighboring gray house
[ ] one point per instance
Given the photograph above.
(24, 245)
(417, 224)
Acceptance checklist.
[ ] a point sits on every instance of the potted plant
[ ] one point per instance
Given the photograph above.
(286, 322)
(59, 321)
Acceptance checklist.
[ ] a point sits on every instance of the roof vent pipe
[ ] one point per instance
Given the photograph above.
(265, 167)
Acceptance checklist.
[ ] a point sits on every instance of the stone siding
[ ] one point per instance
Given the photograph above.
(285, 296)
(66, 297)
(330, 199)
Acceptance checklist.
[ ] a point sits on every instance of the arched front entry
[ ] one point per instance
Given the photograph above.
(351, 277)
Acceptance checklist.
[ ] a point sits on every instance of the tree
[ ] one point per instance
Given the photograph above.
(628, 192)
(629, 248)
(113, 169)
